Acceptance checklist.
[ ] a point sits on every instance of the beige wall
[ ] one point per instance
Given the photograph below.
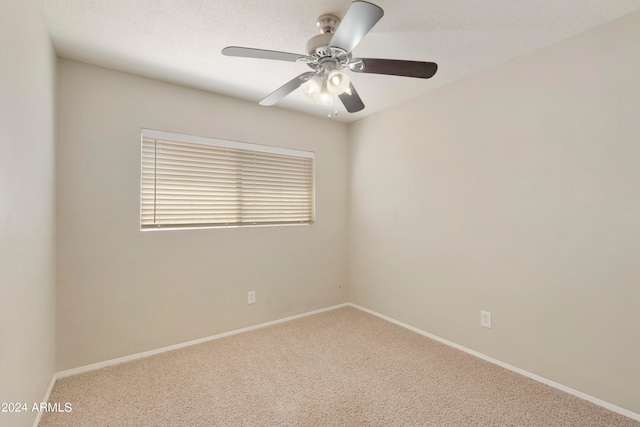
(122, 291)
(27, 225)
(516, 191)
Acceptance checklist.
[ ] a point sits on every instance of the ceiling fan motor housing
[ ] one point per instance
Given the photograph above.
(318, 46)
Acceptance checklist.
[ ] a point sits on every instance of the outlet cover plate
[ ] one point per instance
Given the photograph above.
(485, 319)
(251, 297)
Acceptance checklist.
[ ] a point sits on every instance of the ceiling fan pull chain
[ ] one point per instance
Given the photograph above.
(334, 102)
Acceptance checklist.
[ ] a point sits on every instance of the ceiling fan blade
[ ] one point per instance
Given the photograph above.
(351, 100)
(247, 52)
(359, 19)
(394, 67)
(286, 89)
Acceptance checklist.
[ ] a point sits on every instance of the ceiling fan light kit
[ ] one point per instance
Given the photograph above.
(337, 82)
(316, 89)
(330, 52)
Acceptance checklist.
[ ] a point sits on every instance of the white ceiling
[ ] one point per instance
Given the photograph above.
(180, 40)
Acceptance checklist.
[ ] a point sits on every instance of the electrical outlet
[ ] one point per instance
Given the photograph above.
(251, 297)
(485, 319)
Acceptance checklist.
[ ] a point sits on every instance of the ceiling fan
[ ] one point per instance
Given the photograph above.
(329, 52)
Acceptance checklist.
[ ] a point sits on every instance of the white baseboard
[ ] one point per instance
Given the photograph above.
(46, 399)
(577, 393)
(94, 366)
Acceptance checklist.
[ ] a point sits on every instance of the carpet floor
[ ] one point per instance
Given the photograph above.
(342, 367)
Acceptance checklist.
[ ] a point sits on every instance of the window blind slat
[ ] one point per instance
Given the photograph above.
(197, 184)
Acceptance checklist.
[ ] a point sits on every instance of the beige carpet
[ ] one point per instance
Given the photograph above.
(339, 368)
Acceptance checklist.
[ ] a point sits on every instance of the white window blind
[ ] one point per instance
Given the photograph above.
(192, 181)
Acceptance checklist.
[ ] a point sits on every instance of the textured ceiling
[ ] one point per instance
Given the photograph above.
(180, 40)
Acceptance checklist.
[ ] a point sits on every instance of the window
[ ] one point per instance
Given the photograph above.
(190, 181)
